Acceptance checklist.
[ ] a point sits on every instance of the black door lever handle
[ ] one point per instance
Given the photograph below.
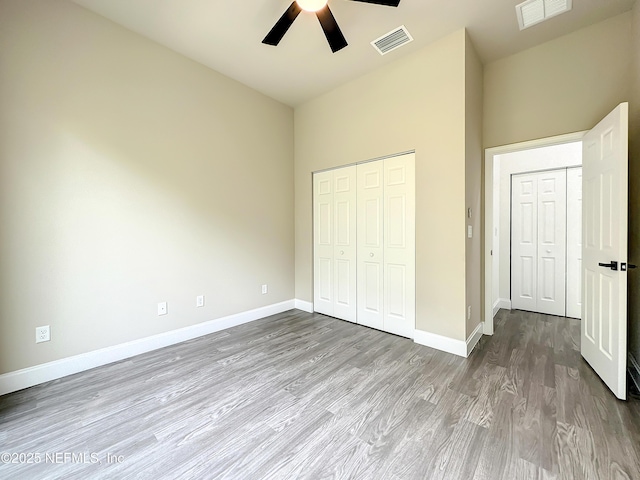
(624, 266)
(613, 265)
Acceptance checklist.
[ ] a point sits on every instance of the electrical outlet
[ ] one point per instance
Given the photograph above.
(162, 308)
(264, 289)
(200, 301)
(469, 312)
(43, 334)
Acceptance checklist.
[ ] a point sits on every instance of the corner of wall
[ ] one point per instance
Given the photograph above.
(473, 186)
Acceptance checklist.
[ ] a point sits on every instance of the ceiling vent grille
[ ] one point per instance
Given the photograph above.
(392, 40)
(533, 12)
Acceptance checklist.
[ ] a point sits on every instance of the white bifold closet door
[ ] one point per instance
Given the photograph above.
(370, 244)
(335, 243)
(364, 244)
(399, 246)
(386, 245)
(538, 243)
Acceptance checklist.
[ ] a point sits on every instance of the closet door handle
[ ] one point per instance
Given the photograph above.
(341, 252)
(371, 254)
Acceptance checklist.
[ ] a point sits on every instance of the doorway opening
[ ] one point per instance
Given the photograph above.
(501, 165)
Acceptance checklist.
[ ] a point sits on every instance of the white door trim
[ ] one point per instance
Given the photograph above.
(369, 160)
(492, 203)
(574, 243)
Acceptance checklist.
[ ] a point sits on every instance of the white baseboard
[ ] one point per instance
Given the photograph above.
(447, 344)
(304, 306)
(634, 370)
(487, 327)
(501, 303)
(28, 377)
(496, 307)
(474, 338)
(440, 342)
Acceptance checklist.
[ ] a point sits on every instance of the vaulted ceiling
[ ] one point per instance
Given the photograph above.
(226, 35)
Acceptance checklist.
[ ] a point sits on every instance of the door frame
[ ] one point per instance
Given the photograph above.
(491, 207)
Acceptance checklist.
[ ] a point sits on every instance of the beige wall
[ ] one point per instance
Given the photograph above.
(634, 188)
(417, 102)
(129, 175)
(473, 181)
(566, 85)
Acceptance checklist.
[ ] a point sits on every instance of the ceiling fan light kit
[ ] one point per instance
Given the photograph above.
(325, 17)
(311, 5)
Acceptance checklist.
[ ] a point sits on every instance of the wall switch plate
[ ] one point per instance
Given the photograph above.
(470, 231)
(43, 334)
(162, 308)
(469, 312)
(200, 301)
(264, 289)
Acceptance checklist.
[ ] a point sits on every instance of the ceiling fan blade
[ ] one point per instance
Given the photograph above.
(282, 25)
(388, 3)
(331, 29)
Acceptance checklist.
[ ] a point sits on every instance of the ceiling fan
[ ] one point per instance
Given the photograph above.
(327, 21)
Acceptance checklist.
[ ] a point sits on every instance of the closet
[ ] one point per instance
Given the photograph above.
(364, 244)
(546, 238)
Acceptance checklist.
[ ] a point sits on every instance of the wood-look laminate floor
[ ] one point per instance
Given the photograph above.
(302, 395)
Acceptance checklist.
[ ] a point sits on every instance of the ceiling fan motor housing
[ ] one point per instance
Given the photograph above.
(325, 17)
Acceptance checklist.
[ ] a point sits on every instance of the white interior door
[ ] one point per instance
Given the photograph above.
(370, 244)
(605, 212)
(399, 245)
(574, 242)
(344, 254)
(538, 265)
(323, 243)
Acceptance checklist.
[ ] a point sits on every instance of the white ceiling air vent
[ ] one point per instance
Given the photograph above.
(533, 12)
(392, 40)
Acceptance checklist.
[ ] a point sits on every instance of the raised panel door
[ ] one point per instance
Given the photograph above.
(323, 243)
(344, 253)
(399, 245)
(370, 233)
